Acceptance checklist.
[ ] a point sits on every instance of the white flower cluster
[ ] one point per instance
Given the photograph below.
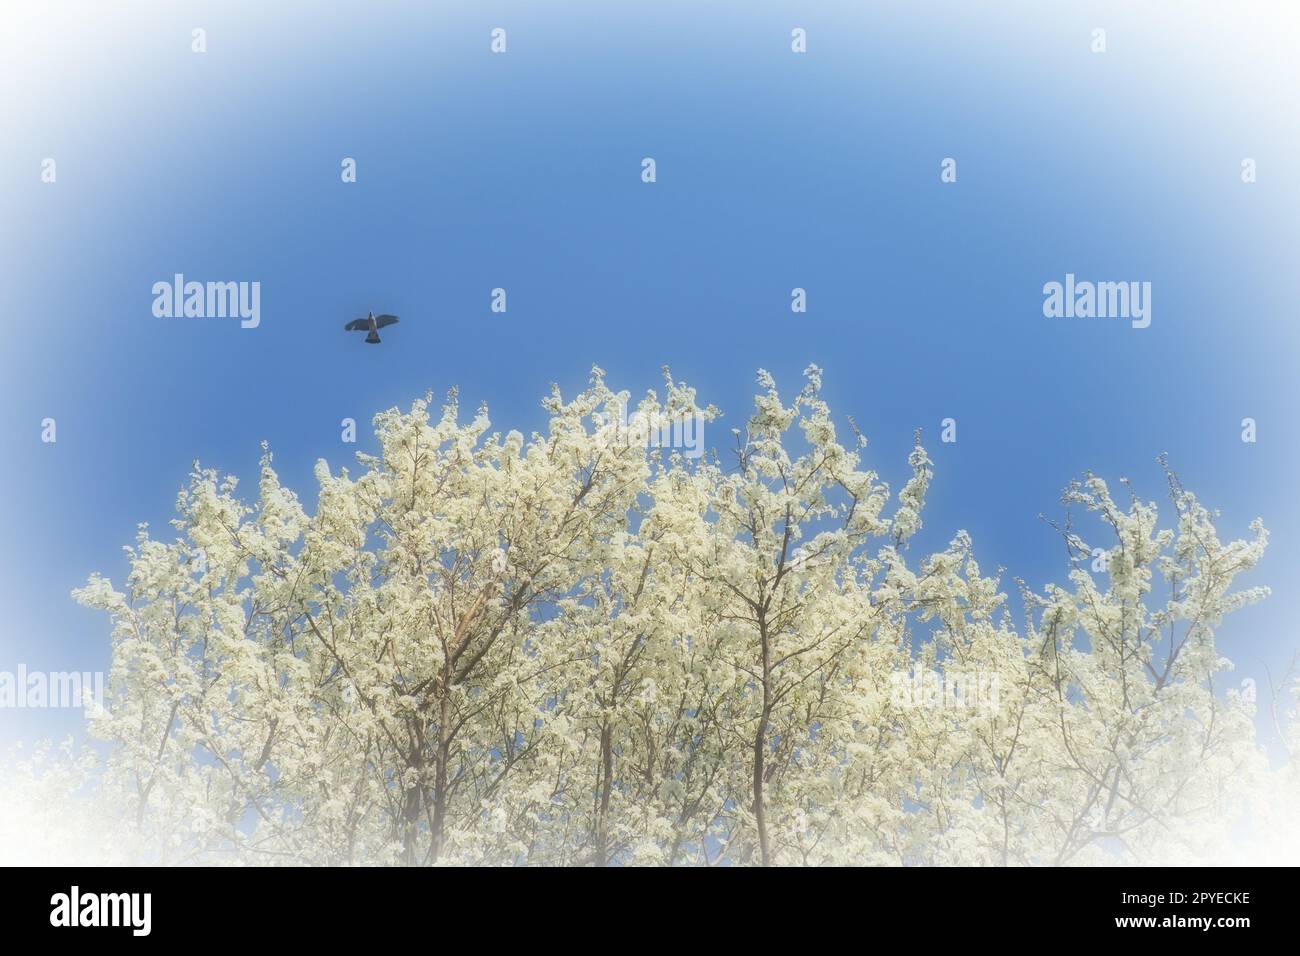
(568, 650)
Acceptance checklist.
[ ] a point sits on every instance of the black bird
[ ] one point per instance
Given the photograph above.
(371, 323)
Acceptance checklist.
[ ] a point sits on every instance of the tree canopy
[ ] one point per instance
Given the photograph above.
(573, 649)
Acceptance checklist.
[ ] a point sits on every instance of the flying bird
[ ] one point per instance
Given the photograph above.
(371, 323)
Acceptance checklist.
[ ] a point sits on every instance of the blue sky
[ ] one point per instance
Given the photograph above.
(522, 171)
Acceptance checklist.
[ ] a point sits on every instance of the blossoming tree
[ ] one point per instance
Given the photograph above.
(569, 649)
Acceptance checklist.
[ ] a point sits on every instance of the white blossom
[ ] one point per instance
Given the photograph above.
(564, 649)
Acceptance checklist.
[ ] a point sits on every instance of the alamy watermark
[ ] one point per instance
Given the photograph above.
(1101, 300)
(654, 429)
(54, 690)
(962, 691)
(132, 911)
(208, 300)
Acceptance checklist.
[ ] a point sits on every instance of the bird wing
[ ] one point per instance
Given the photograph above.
(357, 325)
(383, 320)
